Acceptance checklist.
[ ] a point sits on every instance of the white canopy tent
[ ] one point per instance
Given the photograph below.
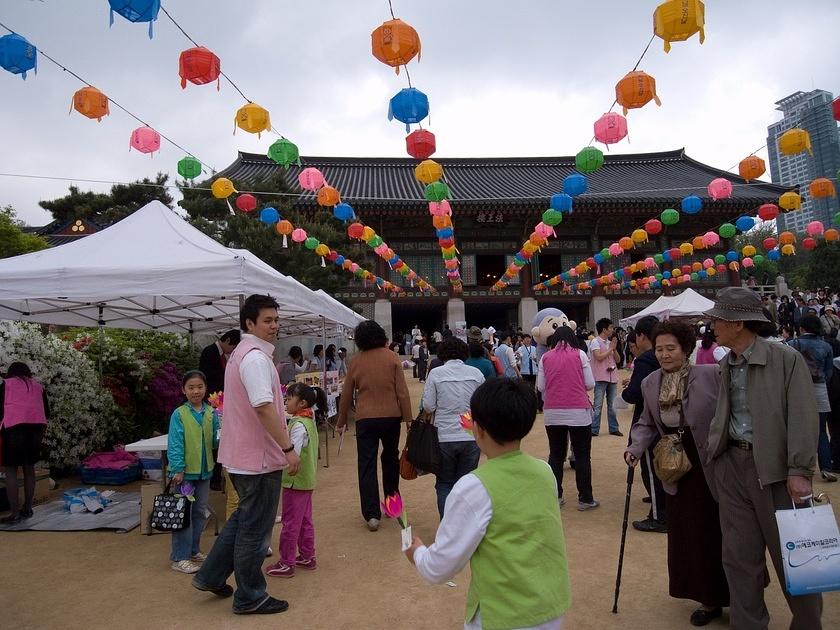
(689, 303)
(153, 270)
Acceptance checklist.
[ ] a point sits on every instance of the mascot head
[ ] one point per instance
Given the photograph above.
(546, 322)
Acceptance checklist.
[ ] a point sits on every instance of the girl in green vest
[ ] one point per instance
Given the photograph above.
(193, 434)
(504, 520)
(305, 407)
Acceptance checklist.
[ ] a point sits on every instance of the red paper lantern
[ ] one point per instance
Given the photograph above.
(590, 262)
(809, 243)
(246, 202)
(654, 226)
(835, 108)
(675, 253)
(420, 144)
(199, 66)
(768, 211)
(355, 230)
(769, 243)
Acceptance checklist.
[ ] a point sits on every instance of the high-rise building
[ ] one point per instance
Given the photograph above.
(810, 111)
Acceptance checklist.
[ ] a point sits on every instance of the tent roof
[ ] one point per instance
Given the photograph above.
(154, 270)
(686, 304)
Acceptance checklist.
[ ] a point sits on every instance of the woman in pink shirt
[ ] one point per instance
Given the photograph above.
(23, 418)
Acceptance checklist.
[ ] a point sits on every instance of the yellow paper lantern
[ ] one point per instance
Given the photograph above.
(677, 20)
(686, 249)
(639, 236)
(790, 201)
(634, 268)
(428, 171)
(222, 188)
(368, 233)
(788, 250)
(748, 251)
(711, 271)
(581, 268)
(795, 141)
(530, 247)
(253, 119)
(322, 250)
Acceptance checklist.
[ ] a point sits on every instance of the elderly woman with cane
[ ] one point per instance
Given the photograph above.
(680, 401)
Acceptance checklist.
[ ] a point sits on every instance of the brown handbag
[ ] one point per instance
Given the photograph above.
(670, 461)
(407, 469)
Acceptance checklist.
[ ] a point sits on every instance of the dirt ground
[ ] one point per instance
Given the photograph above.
(104, 579)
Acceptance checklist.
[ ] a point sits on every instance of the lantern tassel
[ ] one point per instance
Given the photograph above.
(285, 241)
(230, 207)
(412, 284)
(322, 262)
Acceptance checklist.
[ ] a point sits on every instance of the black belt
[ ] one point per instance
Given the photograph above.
(742, 444)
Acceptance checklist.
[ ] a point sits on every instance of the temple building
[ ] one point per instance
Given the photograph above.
(496, 202)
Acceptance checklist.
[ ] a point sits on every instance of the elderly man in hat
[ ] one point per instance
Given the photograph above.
(763, 447)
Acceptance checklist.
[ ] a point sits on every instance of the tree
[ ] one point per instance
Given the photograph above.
(824, 267)
(13, 240)
(105, 209)
(245, 231)
(765, 271)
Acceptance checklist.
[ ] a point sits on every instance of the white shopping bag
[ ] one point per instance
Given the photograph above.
(810, 544)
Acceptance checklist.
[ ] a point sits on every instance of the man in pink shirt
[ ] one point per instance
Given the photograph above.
(604, 358)
(255, 449)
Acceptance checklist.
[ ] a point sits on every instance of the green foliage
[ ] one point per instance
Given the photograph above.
(824, 267)
(245, 231)
(13, 240)
(106, 209)
(767, 270)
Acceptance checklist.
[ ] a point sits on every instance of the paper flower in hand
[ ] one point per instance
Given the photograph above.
(393, 507)
(188, 490)
(217, 401)
(466, 421)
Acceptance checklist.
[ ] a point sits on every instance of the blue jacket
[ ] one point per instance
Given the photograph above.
(644, 365)
(819, 350)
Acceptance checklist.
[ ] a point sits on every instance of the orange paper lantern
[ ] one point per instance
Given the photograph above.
(752, 167)
(442, 221)
(328, 196)
(822, 187)
(91, 102)
(284, 227)
(831, 235)
(787, 238)
(626, 243)
(698, 243)
(636, 90)
(395, 43)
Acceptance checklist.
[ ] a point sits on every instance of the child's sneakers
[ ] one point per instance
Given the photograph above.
(309, 565)
(280, 569)
(587, 505)
(185, 566)
(199, 557)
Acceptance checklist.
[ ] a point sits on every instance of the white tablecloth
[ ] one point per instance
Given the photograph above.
(151, 444)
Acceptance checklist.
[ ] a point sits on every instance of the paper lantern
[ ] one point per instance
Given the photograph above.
(343, 211)
(436, 191)
(691, 204)
(831, 235)
(367, 233)
(322, 250)
(790, 201)
(677, 20)
(189, 167)
(285, 228)
(835, 108)
(409, 106)
(575, 184)
(311, 178)
(814, 228)
(748, 250)
(552, 217)
(836, 219)
(299, 235)
(440, 207)
(710, 239)
(269, 215)
(787, 238)
(670, 216)
(610, 128)
(747, 262)
(537, 239)
(744, 223)
(758, 259)
(768, 211)
(284, 152)
(355, 230)
(773, 255)
(589, 160)
(428, 171)
(328, 196)
(821, 187)
(698, 243)
(420, 144)
(719, 188)
(246, 202)
(636, 90)
(222, 188)
(310, 243)
(639, 236)
(769, 243)
(136, 11)
(809, 243)
(441, 222)
(395, 43)
(752, 167)
(788, 250)
(720, 259)
(17, 55)
(686, 249)
(252, 118)
(653, 226)
(91, 102)
(616, 250)
(626, 243)
(794, 141)
(561, 202)
(145, 140)
(199, 66)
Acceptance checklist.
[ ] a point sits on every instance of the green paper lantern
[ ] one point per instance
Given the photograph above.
(448, 255)
(694, 276)
(727, 230)
(670, 216)
(659, 259)
(375, 241)
(311, 243)
(758, 259)
(720, 259)
(284, 152)
(359, 273)
(554, 217)
(589, 160)
(404, 270)
(658, 276)
(836, 220)
(606, 253)
(189, 167)
(437, 191)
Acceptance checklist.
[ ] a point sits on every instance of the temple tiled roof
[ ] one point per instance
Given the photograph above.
(625, 180)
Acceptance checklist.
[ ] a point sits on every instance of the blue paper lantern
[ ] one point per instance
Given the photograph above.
(666, 275)
(339, 260)
(666, 256)
(731, 256)
(703, 275)
(409, 106)
(519, 260)
(269, 215)
(593, 283)
(691, 204)
(136, 11)
(774, 255)
(598, 258)
(744, 223)
(561, 202)
(17, 55)
(344, 212)
(575, 184)
(394, 260)
(445, 232)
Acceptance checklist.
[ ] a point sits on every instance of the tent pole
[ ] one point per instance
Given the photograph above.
(191, 335)
(101, 324)
(324, 383)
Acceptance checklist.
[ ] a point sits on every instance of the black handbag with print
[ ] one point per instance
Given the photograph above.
(170, 512)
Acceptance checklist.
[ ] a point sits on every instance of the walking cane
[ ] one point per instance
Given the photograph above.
(630, 472)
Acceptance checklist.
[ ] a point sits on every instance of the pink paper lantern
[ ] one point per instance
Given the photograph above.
(381, 249)
(354, 267)
(720, 188)
(708, 263)
(611, 128)
(544, 230)
(311, 178)
(615, 250)
(710, 239)
(650, 263)
(145, 140)
(573, 272)
(815, 228)
(299, 235)
(440, 208)
(747, 262)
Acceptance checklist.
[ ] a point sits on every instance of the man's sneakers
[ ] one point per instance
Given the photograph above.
(269, 607)
(587, 505)
(373, 524)
(281, 570)
(225, 590)
(617, 433)
(650, 525)
(309, 565)
(185, 566)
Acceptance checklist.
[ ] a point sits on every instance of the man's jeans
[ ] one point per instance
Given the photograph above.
(824, 445)
(456, 460)
(601, 388)
(186, 542)
(241, 546)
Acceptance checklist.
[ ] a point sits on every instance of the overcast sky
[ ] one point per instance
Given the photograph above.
(503, 79)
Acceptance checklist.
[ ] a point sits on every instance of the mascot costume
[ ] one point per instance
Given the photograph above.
(545, 323)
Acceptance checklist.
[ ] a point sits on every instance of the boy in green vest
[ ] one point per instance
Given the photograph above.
(504, 519)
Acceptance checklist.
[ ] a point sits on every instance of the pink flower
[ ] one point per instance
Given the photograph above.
(217, 401)
(466, 422)
(393, 507)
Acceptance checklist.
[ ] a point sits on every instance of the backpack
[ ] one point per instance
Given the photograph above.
(817, 375)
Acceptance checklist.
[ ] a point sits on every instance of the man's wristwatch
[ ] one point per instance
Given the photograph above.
(290, 449)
